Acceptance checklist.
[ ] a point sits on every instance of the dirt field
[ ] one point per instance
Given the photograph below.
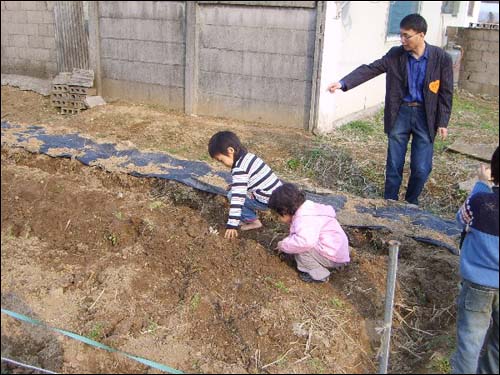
(133, 263)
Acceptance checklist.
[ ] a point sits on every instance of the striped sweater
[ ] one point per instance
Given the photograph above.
(250, 175)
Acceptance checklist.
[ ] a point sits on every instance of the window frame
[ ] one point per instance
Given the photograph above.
(395, 37)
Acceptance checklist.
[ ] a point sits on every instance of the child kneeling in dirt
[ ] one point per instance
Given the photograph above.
(253, 182)
(477, 310)
(316, 238)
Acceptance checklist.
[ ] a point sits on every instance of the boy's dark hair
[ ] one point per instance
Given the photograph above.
(414, 22)
(286, 199)
(494, 168)
(221, 141)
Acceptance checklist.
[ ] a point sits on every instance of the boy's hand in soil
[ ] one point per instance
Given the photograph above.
(231, 233)
(484, 173)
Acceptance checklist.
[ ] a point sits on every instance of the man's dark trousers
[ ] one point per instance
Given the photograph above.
(410, 121)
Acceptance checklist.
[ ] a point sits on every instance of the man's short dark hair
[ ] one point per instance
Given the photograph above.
(414, 22)
(286, 199)
(494, 168)
(221, 141)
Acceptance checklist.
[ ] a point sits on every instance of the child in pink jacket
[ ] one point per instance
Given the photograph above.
(316, 238)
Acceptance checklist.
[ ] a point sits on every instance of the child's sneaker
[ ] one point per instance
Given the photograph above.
(304, 276)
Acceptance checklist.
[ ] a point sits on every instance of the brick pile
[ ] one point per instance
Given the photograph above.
(69, 90)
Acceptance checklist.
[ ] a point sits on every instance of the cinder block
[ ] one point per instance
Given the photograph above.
(46, 30)
(48, 17)
(14, 5)
(59, 89)
(492, 36)
(30, 29)
(490, 57)
(78, 90)
(478, 67)
(478, 45)
(69, 111)
(35, 16)
(480, 77)
(34, 5)
(49, 42)
(36, 42)
(15, 16)
(18, 40)
(76, 97)
(38, 54)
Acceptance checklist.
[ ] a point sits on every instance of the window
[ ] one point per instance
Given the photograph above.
(397, 11)
(450, 7)
(470, 10)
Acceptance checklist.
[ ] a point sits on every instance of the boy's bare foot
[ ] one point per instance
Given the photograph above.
(253, 225)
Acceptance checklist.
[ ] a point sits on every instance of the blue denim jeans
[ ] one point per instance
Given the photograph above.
(410, 121)
(250, 208)
(477, 328)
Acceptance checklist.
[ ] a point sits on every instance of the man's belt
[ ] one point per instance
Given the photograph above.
(412, 104)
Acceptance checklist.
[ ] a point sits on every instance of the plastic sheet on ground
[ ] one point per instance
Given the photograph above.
(111, 157)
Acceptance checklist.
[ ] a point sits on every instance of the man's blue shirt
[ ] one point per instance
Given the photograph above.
(416, 76)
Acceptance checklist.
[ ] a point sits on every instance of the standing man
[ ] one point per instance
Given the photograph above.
(418, 99)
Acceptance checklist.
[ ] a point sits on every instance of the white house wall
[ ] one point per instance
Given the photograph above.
(355, 34)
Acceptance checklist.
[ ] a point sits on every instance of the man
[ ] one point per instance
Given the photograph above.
(418, 99)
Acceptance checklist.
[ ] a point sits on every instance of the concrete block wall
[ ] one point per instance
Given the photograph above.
(143, 51)
(255, 63)
(28, 44)
(479, 66)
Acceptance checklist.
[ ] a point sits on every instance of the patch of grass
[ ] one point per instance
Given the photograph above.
(152, 327)
(441, 364)
(176, 151)
(293, 164)
(148, 224)
(337, 303)
(96, 332)
(195, 301)
(118, 215)
(490, 127)
(318, 366)
(359, 126)
(205, 157)
(155, 205)
(277, 284)
(112, 238)
(9, 233)
(281, 286)
(440, 145)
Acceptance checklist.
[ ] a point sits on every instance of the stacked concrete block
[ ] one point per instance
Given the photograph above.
(479, 66)
(70, 90)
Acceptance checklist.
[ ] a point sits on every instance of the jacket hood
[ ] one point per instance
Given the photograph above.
(310, 208)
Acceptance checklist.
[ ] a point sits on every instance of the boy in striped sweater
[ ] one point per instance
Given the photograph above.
(477, 315)
(253, 182)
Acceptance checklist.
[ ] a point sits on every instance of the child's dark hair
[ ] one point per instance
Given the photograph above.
(221, 141)
(494, 168)
(414, 22)
(286, 200)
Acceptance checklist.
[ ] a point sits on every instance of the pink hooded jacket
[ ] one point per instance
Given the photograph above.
(314, 226)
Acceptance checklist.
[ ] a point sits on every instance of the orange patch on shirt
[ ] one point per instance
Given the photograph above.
(434, 86)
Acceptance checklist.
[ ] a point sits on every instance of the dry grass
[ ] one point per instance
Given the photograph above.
(365, 144)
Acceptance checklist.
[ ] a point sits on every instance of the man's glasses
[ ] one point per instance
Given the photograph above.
(406, 37)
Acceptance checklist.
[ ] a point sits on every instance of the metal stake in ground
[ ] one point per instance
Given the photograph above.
(389, 302)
